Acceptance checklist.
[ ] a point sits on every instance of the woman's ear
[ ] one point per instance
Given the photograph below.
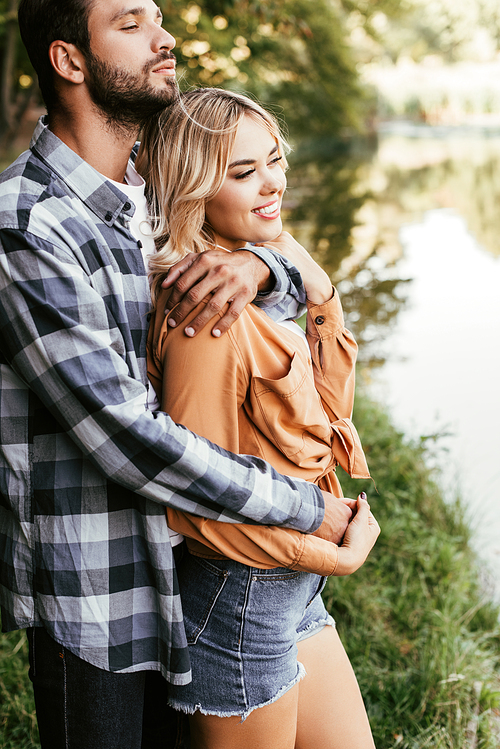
(67, 61)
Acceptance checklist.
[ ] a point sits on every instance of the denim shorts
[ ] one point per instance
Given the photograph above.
(242, 626)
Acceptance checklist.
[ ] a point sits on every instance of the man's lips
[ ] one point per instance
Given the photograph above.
(165, 67)
(270, 210)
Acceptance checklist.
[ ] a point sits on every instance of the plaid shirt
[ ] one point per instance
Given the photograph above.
(85, 470)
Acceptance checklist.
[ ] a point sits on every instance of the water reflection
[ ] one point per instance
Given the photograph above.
(325, 209)
(347, 202)
(408, 229)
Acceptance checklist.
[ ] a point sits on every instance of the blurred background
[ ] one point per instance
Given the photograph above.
(393, 110)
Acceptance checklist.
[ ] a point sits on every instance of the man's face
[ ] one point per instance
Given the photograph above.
(131, 67)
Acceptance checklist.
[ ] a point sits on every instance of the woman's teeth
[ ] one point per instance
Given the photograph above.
(267, 209)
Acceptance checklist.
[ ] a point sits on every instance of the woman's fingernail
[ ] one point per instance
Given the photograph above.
(363, 495)
(171, 322)
(166, 311)
(189, 332)
(216, 333)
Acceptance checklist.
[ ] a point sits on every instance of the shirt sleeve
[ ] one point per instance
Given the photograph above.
(287, 299)
(259, 546)
(72, 348)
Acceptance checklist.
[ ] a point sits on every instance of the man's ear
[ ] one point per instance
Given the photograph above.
(67, 61)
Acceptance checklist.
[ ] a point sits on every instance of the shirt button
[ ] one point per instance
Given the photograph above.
(127, 207)
(108, 216)
(319, 320)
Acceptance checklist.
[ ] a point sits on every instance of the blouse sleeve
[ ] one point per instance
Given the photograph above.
(333, 353)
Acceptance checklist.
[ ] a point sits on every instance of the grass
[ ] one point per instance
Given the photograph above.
(423, 638)
(18, 728)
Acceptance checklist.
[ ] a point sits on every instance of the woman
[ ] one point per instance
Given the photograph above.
(254, 617)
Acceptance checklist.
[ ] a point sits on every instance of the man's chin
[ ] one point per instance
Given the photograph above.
(167, 92)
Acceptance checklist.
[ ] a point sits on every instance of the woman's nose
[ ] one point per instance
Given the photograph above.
(273, 184)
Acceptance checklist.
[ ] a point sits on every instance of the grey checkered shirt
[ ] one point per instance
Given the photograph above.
(85, 470)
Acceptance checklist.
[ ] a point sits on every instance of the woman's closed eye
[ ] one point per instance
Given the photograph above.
(248, 173)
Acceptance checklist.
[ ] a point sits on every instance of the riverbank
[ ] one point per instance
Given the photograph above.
(416, 620)
(421, 633)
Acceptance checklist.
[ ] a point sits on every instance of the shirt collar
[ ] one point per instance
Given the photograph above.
(93, 189)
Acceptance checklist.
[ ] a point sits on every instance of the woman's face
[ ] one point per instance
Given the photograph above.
(247, 207)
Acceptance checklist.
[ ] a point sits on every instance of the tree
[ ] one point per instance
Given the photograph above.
(288, 53)
(17, 88)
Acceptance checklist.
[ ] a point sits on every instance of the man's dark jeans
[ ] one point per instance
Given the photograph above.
(80, 706)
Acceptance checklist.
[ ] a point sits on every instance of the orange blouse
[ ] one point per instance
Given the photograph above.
(259, 390)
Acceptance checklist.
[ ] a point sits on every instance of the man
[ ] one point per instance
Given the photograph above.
(85, 468)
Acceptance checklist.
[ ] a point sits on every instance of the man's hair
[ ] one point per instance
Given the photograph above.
(184, 157)
(42, 22)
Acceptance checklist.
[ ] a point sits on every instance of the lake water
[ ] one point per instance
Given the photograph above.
(425, 272)
(443, 353)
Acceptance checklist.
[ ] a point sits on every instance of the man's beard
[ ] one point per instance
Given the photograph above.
(127, 99)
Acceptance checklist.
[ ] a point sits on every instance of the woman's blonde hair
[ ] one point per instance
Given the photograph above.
(184, 157)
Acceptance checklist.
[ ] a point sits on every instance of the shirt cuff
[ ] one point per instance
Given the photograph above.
(324, 320)
(312, 508)
(287, 278)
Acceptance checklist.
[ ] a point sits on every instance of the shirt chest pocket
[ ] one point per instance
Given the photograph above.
(288, 411)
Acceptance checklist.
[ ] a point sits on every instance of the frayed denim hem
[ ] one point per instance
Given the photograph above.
(314, 628)
(190, 710)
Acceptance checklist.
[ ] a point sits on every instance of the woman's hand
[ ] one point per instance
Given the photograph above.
(359, 539)
(317, 284)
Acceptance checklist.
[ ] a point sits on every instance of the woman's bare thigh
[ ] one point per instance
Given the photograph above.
(331, 713)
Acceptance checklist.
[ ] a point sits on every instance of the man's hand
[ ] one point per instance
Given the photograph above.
(233, 277)
(338, 512)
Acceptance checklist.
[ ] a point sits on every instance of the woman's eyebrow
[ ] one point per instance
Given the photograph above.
(247, 162)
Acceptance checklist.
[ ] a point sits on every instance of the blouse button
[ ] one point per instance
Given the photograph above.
(319, 320)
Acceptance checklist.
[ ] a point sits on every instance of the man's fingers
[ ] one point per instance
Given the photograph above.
(217, 276)
(236, 307)
(190, 289)
(209, 311)
(178, 269)
(213, 308)
(215, 305)
(188, 302)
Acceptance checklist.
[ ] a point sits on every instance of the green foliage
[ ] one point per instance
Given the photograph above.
(18, 728)
(423, 639)
(289, 53)
(17, 88)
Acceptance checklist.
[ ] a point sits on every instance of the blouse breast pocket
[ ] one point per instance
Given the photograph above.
(288, 411)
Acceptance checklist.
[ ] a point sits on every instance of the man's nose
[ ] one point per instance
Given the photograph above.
(163, 40)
